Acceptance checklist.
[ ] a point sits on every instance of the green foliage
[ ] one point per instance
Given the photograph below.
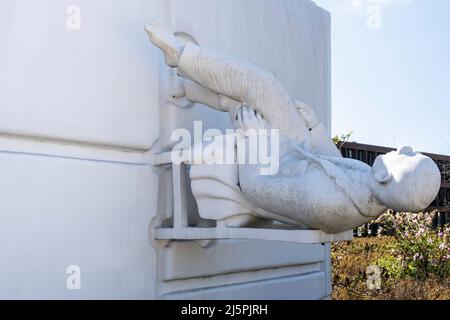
(391, 266)
(350, 262)
(421, 249)
(412, 255)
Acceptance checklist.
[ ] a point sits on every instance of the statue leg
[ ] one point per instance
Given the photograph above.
(216, 72)
(243, 82)
(164, 39)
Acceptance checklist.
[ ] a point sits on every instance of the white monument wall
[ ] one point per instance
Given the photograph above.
(82, 111)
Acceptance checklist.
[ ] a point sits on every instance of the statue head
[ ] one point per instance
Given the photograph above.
(405, 180)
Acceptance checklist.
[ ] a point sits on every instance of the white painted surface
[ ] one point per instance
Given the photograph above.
(302, 287)
(77, 114)
(185, 259)
(98, 84)
(59, 212)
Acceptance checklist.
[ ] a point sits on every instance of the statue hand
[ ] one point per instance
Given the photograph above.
(307, 114)
(248, 118)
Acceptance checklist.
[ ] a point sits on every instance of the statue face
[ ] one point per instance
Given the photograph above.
(405, 180)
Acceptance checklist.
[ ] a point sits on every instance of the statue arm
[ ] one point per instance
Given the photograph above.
(320, 139)
(199, 94)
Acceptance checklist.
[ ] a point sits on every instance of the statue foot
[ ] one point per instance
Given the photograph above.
(163, 38)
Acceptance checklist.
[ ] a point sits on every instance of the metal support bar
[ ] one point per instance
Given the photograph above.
(285, 235)
(180, 214)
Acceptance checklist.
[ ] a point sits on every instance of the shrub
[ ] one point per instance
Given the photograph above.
(419, 249)
(392, 266)
(350, 278)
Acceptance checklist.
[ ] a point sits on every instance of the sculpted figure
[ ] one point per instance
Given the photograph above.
(315, 186)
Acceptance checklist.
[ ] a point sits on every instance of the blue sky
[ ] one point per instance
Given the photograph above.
(391, 71)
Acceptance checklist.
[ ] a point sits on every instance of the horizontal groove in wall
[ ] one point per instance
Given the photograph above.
(240, 277)
(297, 286)
(186, 259)
(72, 150)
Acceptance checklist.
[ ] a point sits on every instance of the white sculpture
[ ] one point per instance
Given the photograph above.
(315, 187)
